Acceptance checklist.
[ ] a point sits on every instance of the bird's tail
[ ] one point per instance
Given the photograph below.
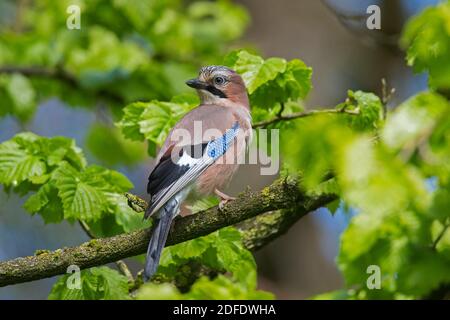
(159, 236)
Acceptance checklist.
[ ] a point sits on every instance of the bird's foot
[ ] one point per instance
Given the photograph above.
(224, 198)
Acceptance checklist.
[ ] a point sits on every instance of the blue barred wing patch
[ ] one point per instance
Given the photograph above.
(216, 148)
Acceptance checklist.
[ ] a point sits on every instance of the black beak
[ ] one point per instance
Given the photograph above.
(196, 84)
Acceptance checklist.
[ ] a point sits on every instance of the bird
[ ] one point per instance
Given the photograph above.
(203, 162)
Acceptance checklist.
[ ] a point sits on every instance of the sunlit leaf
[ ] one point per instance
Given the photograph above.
(100, 283)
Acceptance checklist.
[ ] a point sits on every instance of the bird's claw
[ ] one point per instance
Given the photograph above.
(224, 199)
(222, 204)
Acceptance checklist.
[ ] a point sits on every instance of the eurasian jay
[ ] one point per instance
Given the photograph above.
(205, 163)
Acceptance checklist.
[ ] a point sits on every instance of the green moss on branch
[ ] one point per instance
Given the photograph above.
(282, 194)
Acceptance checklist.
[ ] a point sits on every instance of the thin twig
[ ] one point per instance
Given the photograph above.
(440, 236)
(280, 112)
(303, 114)
(122, 266)
(86, 229)
(386, 96)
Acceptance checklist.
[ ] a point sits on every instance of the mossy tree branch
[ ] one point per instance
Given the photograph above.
(263, 216)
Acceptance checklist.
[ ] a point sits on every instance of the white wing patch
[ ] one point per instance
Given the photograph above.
(197, 166)
(187, 160)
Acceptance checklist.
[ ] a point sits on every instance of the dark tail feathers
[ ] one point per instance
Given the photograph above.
(158, 239)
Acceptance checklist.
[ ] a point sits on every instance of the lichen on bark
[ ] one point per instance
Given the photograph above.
(262, 216)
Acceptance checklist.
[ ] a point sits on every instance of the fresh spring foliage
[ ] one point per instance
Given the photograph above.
(101, 283)
(184, 265)
(152, 121)
(270, 83)
(191, 265)
(64, 186)
(391, 167)
(75, 191)
(427, 39)
(124, 52)
(220, 288)
(400, 218)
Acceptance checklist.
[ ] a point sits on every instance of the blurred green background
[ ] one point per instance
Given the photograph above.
(142, 50)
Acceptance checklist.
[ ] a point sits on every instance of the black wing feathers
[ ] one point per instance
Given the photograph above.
(167, 172)
(163, 175)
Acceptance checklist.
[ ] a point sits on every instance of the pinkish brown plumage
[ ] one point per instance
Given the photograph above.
(223, 116)
(220, 118)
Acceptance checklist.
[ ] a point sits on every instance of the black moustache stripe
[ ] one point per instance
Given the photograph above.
(216, 91)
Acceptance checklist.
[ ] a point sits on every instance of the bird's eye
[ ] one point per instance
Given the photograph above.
(219, 80)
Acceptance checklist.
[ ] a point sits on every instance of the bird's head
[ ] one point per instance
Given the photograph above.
(215, 84)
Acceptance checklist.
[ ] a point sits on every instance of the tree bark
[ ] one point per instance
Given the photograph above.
(263, 216)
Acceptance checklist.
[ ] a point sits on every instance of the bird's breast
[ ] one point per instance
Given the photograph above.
(216, 176)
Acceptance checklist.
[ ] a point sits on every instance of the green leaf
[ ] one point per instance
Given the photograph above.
(101, 283)
(129, 124)
(47, 203)
(306, 155)
(108, 145)
(239, 262)
(440, 204)
(88, 194)
(114, 181)
(158, 118)
(414, 119)
(255, 70)
(119, 218)
(426, 272)
(56, 169)
(184, 251)
(133, 51)
(330, 186)
(427, 40)
(375, 181)
(82, 195)
(91, 66)
(222, 288)
(30, 157)
(221, 250)
(440, 233)
(17, 165)
(151, 149)
(153, 120)
(370, 110)
(392, 229)
(272, 81)
(22, 95)
(297, 79)
(59, 149)
(336, 295)
(334, 206)
(163, 291)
